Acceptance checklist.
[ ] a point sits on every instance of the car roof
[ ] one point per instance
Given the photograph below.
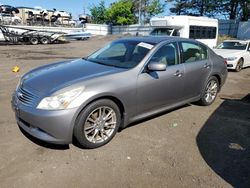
(155, 39)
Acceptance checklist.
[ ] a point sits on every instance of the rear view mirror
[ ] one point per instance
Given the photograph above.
(154, 66)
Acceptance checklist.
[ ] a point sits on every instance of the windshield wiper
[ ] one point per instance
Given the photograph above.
(101, 63)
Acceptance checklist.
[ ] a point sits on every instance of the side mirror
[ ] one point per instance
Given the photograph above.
(154, 66)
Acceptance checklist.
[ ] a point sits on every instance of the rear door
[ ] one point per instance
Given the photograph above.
(197, 67)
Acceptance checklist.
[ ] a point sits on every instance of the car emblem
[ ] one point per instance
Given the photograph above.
(19, 94)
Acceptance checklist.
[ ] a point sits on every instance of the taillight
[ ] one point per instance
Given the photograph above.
(225, 62)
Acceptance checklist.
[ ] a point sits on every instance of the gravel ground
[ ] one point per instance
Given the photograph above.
(191, 146)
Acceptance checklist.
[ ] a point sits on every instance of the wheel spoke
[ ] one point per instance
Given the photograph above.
(206, 96)
(91, 120)
(89, 129)
(109, 123)
(102, 135)
(214, 86)
(109, 115)
(94, 135)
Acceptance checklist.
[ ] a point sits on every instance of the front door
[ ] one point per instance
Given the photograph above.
(161, 88)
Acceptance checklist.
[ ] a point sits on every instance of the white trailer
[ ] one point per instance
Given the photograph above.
(203, 29)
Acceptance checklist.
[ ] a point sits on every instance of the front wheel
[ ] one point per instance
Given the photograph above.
(210, 92)
(239, 65)
(97, 124)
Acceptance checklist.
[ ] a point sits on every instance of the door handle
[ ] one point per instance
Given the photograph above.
(207, 66)
(178, 73)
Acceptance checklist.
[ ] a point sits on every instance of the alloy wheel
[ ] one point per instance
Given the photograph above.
(211, 91)
(100, 124)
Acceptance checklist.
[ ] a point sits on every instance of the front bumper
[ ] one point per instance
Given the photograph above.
(50, 126)
(232, 64)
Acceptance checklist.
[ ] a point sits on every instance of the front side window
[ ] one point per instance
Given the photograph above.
(122, 54)
(167, 54)
(193, 52)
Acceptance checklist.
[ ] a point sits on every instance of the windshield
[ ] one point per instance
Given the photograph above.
(162, 31)
(122, 54)
(237, 45)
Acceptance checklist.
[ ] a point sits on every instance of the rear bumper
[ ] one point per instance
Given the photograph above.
(50, 126)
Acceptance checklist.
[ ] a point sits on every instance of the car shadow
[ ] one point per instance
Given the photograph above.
(44, 144)
(224, 141)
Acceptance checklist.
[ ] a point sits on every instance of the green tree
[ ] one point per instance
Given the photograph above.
(245, 10)
(121, 13)
(180, 7)
(193, 7)
(148, 8)
(155, 7)
(98, 13)
(229, 8)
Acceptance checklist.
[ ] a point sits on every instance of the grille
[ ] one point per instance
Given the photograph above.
(26, 97)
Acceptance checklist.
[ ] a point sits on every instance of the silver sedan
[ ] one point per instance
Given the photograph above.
(126, 81)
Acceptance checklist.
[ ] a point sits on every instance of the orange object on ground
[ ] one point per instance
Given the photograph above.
(15, 69)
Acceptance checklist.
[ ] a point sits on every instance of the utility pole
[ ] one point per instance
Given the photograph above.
(139, 19)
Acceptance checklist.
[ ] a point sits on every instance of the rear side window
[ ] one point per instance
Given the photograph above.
(193, 52)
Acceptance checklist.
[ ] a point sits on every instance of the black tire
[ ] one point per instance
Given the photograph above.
(34, 40)
(239, 65)
(16, 22)
(88, 132)
(204, 98)
(45, 40)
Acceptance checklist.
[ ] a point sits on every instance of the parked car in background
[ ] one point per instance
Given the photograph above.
(37, 12)
(236, 52)
(62, 14)
(6, 18)
(126, 81)
(8, 9)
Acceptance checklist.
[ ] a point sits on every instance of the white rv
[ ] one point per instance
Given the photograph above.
(202, 29)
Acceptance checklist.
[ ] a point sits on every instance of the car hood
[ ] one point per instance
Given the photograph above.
(228, 53)
(50, 78)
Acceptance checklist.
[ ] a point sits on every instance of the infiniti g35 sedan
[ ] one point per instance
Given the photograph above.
(89, 99)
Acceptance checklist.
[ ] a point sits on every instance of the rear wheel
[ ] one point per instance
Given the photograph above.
(239, 65)
(44, 40)
(97, 124)
(210, 92)
(34, 40)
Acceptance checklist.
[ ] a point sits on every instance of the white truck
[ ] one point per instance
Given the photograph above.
(203, 29)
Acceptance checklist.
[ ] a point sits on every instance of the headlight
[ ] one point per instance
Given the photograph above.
(60, 101)
(231, 58)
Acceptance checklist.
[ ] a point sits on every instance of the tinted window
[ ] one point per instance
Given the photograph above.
(167, 54)
(201, 32)
(193, 52)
